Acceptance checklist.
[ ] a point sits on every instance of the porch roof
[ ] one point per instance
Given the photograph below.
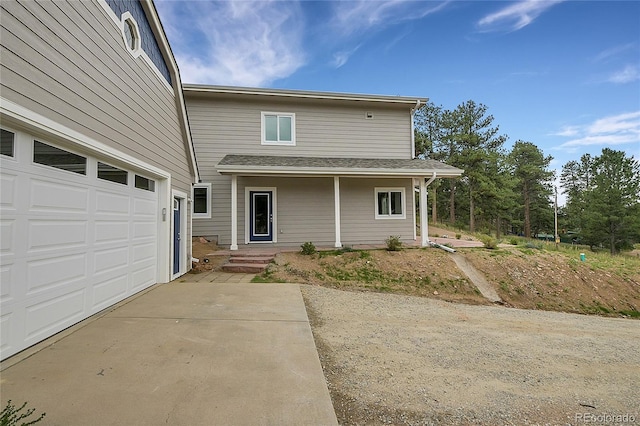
(331, 166)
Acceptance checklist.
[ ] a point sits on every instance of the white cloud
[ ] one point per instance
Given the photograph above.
(621, 129)
(243, 43)
(356, 16)
(613, 52)
(340, 58)
(515, 16)
(629, 74)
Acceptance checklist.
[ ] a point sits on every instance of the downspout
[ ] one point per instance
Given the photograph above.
(413, 133)
(424, 219)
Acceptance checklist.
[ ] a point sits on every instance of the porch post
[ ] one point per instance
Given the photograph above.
(336, 196)
(234, 212)
(424, 220)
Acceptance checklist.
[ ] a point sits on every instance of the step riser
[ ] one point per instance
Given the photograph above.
(244, 268)
(257, 260)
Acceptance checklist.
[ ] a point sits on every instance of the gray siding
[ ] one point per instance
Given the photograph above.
(67, 62)
(224, 126)
(358, 210)
(304, 211)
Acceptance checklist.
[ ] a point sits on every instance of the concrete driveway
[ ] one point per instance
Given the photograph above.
(182, 353)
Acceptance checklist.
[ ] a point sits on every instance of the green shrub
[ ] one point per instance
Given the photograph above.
(489, 242)
(513, 241)
(11, 415)
(458, 236)
(393, 243)
(307, 248)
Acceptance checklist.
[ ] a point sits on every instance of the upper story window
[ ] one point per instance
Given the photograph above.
(202, 200)
(390, 203)
(131, 34)
(278, 128)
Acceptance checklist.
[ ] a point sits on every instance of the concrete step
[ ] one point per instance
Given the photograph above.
(245, 268)
(254, 259)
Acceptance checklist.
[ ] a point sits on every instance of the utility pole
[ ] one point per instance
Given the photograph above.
(555, 214)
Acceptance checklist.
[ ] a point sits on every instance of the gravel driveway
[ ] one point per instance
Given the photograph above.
(393, 359)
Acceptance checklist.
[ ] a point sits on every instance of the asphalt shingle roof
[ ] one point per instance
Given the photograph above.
(333, 164)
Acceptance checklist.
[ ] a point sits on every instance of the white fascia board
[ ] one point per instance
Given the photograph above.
(230, 90)
(334, 172)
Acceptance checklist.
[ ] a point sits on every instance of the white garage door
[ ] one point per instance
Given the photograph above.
(78, 235)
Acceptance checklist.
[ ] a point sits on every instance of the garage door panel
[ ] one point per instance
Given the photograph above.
(56, 234)
(51, 315)
(143, 230)
(8, 184)
(111, 231)
(145, 207)
(144, 252)
(110, 203)
(143, 277)
(6, 283)
(6, 331)
(7, 245)
(58, 197)
(56, 272)
(109, 291)
(110, 259)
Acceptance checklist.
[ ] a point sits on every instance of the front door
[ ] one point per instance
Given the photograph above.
(261, 216)
(176, 235)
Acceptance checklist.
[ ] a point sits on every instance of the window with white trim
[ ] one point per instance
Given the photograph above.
(278, 128)
(201, 201)
(390, 203)
(131, 34)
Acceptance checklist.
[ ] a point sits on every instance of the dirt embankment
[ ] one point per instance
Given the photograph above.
(522, 277)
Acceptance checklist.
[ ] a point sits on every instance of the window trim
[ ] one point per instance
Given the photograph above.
(206, 215)
(389, 190)
(126, 19)
(263, 129)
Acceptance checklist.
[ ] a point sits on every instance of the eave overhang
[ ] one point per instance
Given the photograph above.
(257, 165)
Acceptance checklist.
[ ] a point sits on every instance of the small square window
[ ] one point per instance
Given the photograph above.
(390, 203)
(7, 145)
(278, 128)
(112, 174)
(202, 200)
(145, 183)
(59, 158)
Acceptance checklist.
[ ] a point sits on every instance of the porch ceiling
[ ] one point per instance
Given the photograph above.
(330, 166)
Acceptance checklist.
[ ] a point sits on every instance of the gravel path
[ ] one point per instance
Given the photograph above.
(393, 359)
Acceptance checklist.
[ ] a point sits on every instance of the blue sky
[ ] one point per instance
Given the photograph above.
(564, 75)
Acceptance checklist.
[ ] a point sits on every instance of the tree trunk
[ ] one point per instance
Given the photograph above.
(527, 216)
(452, 202)
(498, 228)
(612, 239)
(472, 219)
